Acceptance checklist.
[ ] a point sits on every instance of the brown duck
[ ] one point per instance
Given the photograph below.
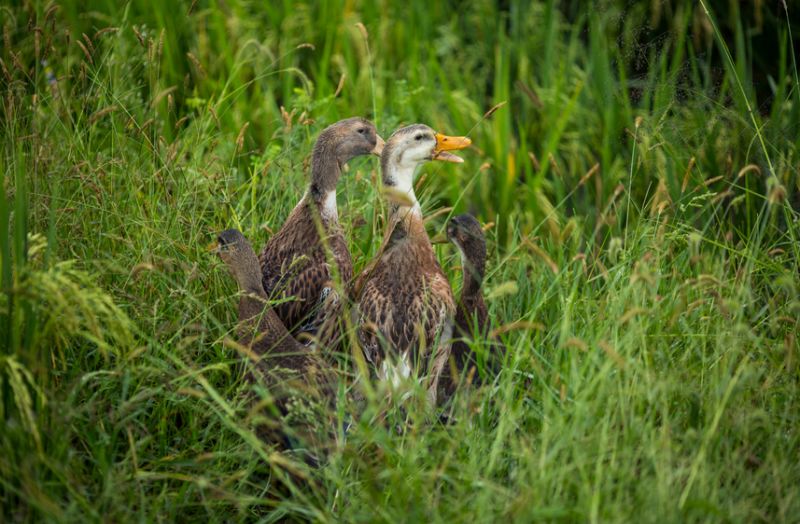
(404, 302)
(295, 264)
(472, 317)
(296, 377)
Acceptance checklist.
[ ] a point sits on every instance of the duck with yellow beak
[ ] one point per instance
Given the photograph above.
(405, 306)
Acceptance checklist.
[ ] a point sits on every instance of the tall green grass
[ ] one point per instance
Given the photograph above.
(638, 161)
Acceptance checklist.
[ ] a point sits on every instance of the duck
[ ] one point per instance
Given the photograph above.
(299, 381)
(295, 264)
(404, 304)
(472, 316)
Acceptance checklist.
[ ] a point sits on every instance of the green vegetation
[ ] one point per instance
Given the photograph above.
(642, 176)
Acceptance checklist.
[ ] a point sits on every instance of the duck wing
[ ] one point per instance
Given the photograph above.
(407, 316)
(295, 267)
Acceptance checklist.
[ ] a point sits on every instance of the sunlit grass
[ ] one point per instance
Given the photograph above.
(643, 262)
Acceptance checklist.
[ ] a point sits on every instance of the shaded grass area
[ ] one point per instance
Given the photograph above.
(641, 175)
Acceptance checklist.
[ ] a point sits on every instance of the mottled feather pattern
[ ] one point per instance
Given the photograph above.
(402, 310)
(299, 382)
(326, 325)
(265, 335)
(295, 264)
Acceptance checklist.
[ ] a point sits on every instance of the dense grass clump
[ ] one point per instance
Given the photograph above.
(638, 162)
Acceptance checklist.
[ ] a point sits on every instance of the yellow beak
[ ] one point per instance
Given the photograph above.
(446, 143)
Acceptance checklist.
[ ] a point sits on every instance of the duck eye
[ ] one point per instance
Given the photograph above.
(418, 137)
(361, 131)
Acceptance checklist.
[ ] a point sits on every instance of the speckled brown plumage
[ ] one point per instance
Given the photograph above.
(472, 317)
(295, 263)
(405, 303)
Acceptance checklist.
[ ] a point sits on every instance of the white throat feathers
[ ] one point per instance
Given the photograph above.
(328, 208)
(327, 205)
(402, 181)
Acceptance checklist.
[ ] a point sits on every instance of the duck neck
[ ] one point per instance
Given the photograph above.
(473, 269)
(248, 276)
(325, 172)
(400, 178)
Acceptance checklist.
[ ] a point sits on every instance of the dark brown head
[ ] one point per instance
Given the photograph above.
(349, 138)
(237, 253)
(337, 145)
(465, 232)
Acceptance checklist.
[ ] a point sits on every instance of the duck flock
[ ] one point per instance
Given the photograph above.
(400, 311)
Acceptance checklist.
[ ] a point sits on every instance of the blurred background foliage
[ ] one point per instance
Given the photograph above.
(639, 161)
(573, 80)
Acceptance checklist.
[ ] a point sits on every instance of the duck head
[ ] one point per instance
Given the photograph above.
(411, 146)
(237, 253)
(349, 138)
(338, 144)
